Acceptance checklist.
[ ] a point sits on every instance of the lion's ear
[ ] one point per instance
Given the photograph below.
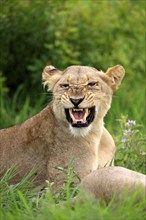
(115, 75)
(50, 76)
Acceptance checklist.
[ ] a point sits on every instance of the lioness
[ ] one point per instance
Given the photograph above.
(71, 127)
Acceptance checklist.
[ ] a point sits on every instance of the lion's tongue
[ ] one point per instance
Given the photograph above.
(78, 115)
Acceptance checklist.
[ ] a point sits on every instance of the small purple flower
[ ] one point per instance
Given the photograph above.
(123, 140)
(130, 122)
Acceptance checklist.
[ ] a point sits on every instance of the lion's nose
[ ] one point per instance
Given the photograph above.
(76, 102)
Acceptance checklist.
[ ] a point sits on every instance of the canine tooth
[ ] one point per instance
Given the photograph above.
(86, 114)
(70, 111)
(71, 115)
(86, 110)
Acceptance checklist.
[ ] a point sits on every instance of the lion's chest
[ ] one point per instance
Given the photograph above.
(83, 154)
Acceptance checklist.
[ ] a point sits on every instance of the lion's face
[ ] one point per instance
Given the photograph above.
(81, 96)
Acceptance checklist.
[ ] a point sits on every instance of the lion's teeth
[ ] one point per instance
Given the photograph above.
(86, 114)
(77, 109)
(86, 111)
(71, 115)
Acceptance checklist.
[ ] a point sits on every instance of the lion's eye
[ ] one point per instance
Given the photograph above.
(64, 86)
(92, 84)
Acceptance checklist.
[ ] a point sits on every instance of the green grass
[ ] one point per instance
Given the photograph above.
(21, 201)
(15, 110)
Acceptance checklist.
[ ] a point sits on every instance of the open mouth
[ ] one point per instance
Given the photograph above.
(80, 117)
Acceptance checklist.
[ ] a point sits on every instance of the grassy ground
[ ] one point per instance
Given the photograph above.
(22, 202)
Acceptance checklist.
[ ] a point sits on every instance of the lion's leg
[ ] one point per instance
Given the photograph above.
(106, 150)
(109, 181)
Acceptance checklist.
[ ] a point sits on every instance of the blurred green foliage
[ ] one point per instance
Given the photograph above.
(61, 33)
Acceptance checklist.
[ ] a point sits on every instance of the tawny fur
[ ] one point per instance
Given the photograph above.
(117, 181)
(47, 139)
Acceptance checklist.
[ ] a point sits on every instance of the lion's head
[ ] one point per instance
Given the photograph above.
(82, 95)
